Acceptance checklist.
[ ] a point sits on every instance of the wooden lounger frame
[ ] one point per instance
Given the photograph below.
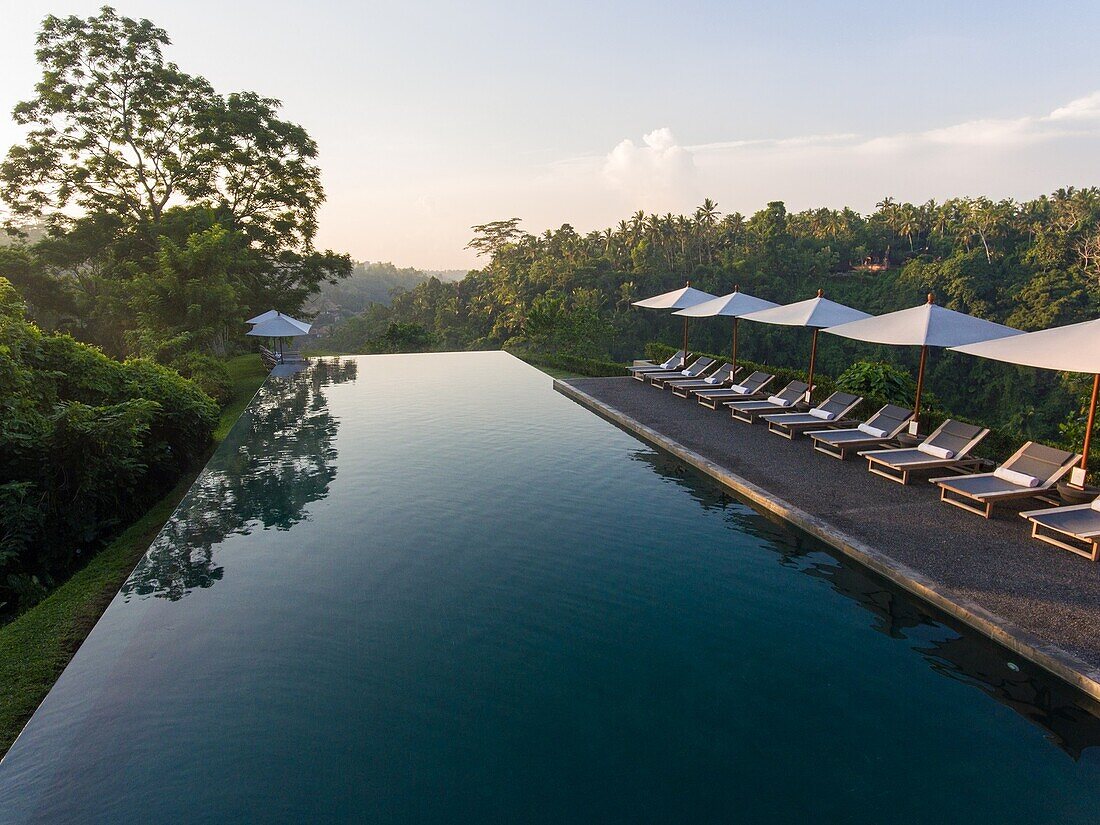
(793, 431)
(759, 395)
(661, 380)
(959, 464)
(963, 500)
(901, 474)
(984, 506)
(638, 371)
(654, 378)
(714, 403)
(750, 416)
(683, 389)
(1088, 539)
(841, 451)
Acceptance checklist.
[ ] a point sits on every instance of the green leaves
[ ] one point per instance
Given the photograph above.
(873, 379)
(115, 128)
(85, 443)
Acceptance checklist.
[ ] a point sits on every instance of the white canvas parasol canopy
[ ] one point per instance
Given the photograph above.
(681, 298)
(924, 326)
(280, 326)
(1073, 348)
(816, 313)
(274, 313)
(734, 305)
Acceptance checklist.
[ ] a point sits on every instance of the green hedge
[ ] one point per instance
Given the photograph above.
(209, 373)
(86, 444)
(997, 446)
(571, 363)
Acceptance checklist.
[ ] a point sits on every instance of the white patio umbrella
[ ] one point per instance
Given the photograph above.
(677, 299)
(274, 313)
(816, 313)
(924, 326)
(1073, 348)
(278, 327)
(734, 305)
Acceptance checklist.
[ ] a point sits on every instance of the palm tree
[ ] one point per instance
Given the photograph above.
(908, 222)
(706, 217)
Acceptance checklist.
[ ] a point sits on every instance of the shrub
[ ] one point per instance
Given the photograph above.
(572, 363)
(86, 443)
(210, 374)
(878, 380)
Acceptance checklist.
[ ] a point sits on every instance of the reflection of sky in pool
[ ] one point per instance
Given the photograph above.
(428, 588)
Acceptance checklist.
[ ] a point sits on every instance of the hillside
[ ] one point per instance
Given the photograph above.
(369, 283)
(1030, 265)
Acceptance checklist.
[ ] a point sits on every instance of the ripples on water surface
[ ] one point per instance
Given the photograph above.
(428, 588)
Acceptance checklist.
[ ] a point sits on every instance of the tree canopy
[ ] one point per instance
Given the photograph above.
(1029, 264)
(129, 161)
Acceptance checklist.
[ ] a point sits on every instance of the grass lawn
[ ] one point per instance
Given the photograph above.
(554, 372)
(35, 647)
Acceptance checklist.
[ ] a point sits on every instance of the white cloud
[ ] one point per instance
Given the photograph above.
(1019, 157)
(1002, 157)
(657, 172)
(1083, 108)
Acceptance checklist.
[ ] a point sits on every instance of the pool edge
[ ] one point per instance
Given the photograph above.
(1045, 654)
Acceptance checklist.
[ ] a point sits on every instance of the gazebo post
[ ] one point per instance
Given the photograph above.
(920, 378)
(684, 362)
(920, 385)
(1089, 425)
(813, 357)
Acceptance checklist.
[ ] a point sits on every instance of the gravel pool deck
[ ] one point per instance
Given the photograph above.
(1040, 601)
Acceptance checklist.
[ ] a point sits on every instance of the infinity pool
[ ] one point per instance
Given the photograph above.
(428, 588)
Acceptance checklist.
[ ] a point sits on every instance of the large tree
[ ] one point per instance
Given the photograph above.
(114, 127)
(119, 138)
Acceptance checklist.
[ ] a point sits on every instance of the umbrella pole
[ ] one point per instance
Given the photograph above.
(813, 357)
(920, 385)
(1091, 421)
(685, 361)
(733, 352)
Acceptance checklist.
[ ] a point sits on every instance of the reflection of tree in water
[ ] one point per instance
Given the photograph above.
(1072, 720)
(276, 461)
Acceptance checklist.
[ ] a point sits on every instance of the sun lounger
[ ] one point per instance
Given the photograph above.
(639, 370)
(696, 370)
(832, 411)
(879, 429)
(948, 447)
(721, 377)
(1061, 525)
(786, 400)
(1031, 471)
(750, 389)
(269, 358)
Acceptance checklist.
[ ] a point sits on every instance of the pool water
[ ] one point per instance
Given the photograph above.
(428, 588)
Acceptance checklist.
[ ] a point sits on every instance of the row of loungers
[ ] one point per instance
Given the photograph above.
(1031, 472)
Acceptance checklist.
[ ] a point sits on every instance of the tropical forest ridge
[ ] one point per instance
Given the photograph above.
(1029, 265)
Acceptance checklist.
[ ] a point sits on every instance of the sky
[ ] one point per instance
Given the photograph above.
(435, 116)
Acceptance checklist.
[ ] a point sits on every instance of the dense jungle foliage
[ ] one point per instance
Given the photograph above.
(86, 444)
(149, 216)
(372, 283)
(1030, 265)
